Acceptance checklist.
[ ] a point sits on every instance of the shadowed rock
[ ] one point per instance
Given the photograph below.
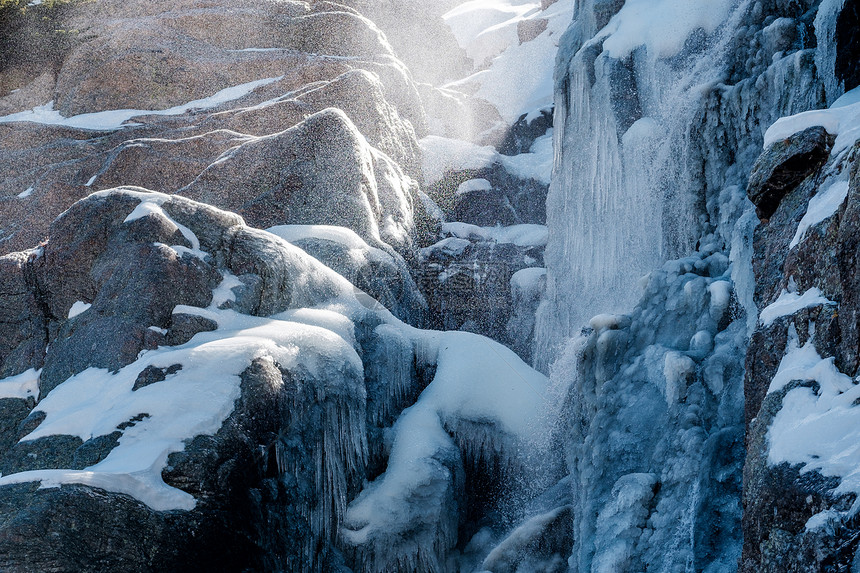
(784, 165)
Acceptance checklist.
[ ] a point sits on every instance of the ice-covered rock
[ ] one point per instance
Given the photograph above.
(657, 131)
(655, 433)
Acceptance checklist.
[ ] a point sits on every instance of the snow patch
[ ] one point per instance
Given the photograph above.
(528, 280)
(78, 307)
(342, 235)
(474, 185)
(823, 519)
(519, 80)
(26, 193)
(442, 155)
(115, 119)
(823, 205)
(842, 119)
(789, 303)
(23, 385)
(662, 26)
(523, 235)
(817, 427)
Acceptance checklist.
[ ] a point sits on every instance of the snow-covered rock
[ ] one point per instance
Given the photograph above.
(226, 391)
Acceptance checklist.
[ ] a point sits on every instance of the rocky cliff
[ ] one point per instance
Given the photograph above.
(226, 226)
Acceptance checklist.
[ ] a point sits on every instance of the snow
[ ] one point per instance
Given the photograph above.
(452, 246)
(23, 385)
(78, 307)
(259, 50)
(823, 205)
(115, 119)
(139, 193)
(152, 206)
(823, 519)
(519, 80)
(474, 185)
(528, 280)
(195, 400)
(479, 379)
(442, 155)
(342, 235)
(26, 193)
(819, 429)
(789, 303)
(523, 235)
(662, 26)
(536, 164)
(842, 119)
(485, 28)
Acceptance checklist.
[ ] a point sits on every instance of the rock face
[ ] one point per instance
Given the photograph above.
(797, 505)
(198, 392)
(468, 276)
(290, 60)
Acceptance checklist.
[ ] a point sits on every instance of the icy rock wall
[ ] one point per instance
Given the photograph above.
(651, 129)
(657, 130)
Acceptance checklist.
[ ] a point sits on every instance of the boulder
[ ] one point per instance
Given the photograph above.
(784, 165)
(321, 171)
